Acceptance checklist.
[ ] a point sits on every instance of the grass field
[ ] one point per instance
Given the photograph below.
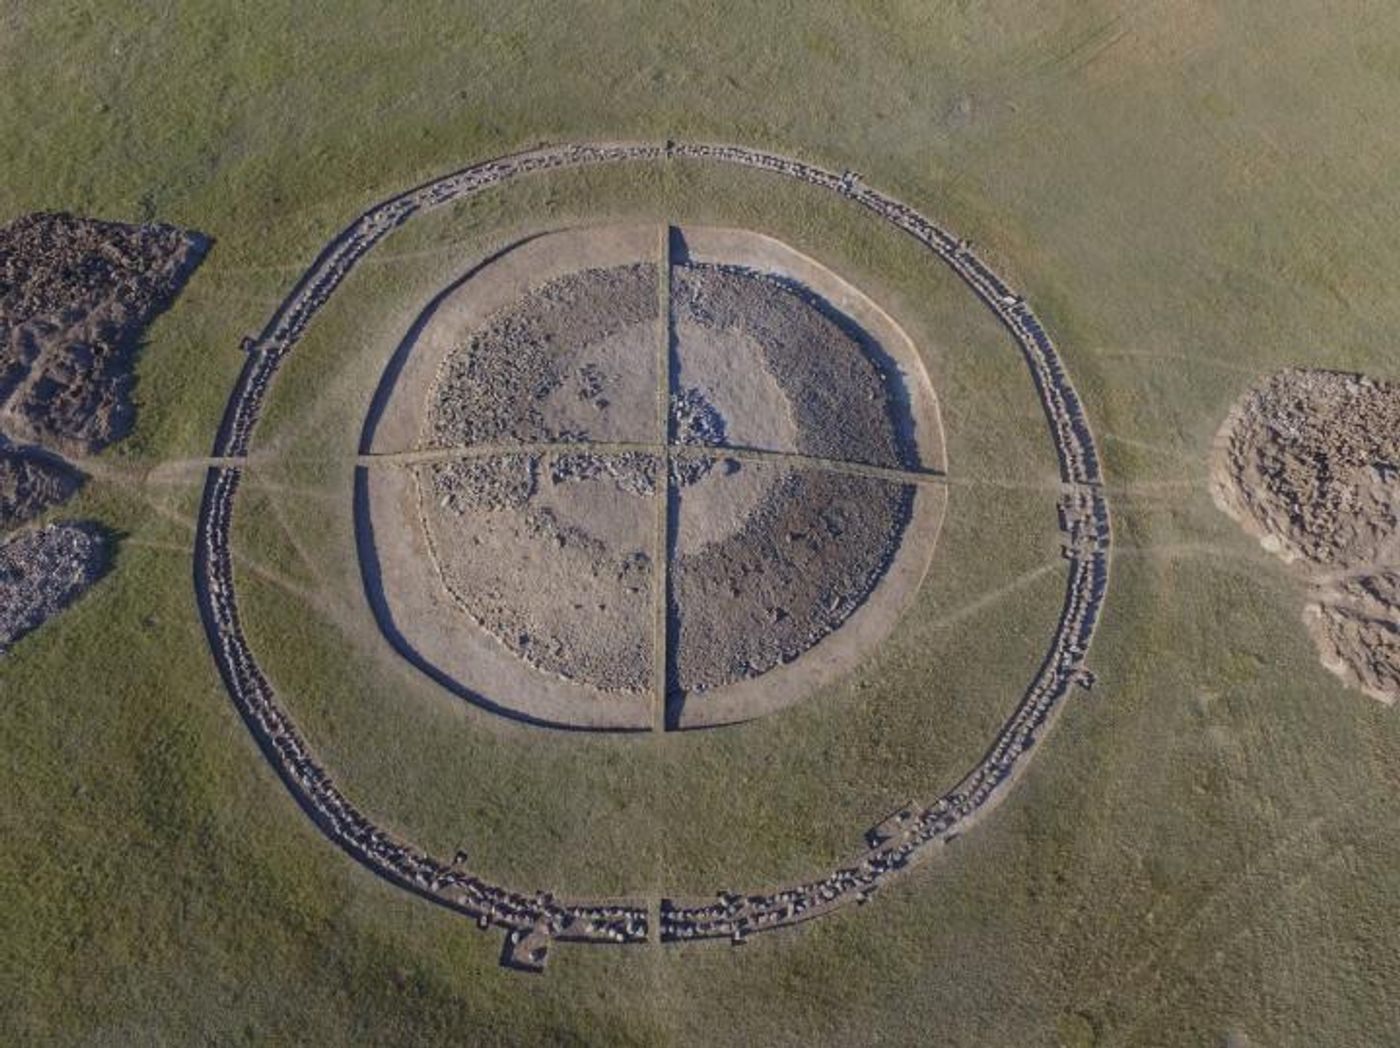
(1206, 847)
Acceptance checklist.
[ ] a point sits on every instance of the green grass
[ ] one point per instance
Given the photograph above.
(1190, 196)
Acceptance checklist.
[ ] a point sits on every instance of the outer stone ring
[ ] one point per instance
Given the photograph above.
(534, 921)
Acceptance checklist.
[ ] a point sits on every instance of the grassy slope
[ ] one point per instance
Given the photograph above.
(1190, 197)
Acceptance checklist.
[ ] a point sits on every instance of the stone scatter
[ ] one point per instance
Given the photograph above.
(489, 483)
(1309, 463)
(696, 422)
(1356, 627)
(835, 392)
(633, 472)
(31, 484)
(76, 294)
(550, 555)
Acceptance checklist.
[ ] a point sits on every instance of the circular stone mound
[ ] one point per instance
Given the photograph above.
(547, 538)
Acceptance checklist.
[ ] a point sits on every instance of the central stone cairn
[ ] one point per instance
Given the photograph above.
(542, 514)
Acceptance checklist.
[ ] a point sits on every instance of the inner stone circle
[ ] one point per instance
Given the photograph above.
(637, 478)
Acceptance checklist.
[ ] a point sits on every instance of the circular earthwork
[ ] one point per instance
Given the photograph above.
(534, 921)
(544, 538)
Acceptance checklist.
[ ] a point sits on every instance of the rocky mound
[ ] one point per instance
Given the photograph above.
(1356, 627)
(75, 296)
(1309, 463)
(30, 484)
(43, 571)
(573, 508)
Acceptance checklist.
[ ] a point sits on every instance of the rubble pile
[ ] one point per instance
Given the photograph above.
(1309, 463)
(76, 295)
(694, 422)
(500, 385)
(31, 483)
(44, 570)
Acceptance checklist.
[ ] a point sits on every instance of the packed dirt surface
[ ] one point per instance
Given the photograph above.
(31, 484)
(1309, 463)
(574, 359)
(551, 554)
(795, 567)
(787, 370)
(75, 296)
(43, 571)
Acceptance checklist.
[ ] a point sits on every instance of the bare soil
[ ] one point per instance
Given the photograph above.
(559, 570)
(426, 623)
